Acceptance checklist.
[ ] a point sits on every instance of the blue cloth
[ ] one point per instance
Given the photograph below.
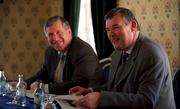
(5, 99)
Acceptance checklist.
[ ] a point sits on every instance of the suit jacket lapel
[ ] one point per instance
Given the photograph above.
(114, 67)
(125, 70)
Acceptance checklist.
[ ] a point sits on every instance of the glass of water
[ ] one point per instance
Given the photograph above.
(11, 92)
(49, 102)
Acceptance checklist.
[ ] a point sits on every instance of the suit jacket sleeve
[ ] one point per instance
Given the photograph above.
(47, 67)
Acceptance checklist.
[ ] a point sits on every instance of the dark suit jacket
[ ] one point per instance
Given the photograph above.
(81, 68)
(142, 82)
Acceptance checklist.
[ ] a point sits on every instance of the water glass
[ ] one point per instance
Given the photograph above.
(11, 92)
(49, 102)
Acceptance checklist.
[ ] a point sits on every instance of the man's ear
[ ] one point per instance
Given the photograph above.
(69, 31)
(133, 25)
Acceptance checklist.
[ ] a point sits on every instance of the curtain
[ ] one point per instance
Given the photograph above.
(71, 13)
(99, 9)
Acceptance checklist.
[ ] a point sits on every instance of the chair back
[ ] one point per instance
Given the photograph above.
(105, 65)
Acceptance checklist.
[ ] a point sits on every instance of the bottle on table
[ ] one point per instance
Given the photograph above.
(39, 96)
(2, 83)
(21, 91)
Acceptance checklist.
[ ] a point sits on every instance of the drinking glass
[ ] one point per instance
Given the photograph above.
(11, 92)
(49, 102)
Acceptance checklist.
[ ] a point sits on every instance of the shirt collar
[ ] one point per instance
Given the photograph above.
(129, 50)
(62, 53)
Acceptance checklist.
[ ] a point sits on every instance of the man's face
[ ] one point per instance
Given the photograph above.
(119, 34)
(58, 36)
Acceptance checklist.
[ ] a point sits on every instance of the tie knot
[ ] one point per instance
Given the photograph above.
(62, 57)
(125, 56)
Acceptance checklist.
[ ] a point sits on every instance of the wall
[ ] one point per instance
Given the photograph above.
(159, 20)
(22, 41)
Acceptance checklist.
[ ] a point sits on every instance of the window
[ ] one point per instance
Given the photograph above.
(85, 30)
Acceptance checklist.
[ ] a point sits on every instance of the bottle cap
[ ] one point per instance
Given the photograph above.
(39, 81)
(20, 75)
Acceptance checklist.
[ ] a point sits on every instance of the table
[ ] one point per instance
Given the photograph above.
(5, 99)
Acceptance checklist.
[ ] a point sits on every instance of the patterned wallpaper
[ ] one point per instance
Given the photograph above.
(22, 41)
(159, 20)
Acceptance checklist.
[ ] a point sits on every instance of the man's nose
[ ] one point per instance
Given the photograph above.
(55, 36)
(53, 39)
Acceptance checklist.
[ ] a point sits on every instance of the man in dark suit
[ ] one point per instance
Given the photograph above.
(139, 77)
(79, 65)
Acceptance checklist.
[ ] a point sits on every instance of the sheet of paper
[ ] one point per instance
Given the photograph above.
(65, 101)
(29, 94)
(67, 97)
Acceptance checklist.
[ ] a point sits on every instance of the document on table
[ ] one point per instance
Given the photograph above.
(67, 97)
(29, 94)
(65, 101)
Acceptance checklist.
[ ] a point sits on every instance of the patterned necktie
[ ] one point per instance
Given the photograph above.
(58, 77)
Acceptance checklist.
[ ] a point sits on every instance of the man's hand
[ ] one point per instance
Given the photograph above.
(34, 86)
(77, 90)
(90, 101)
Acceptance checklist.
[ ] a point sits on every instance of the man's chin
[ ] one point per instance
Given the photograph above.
(61, 49)
(58, 49)
(117, 47)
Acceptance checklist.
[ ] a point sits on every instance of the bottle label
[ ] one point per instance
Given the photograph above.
(3, 88)
(21, 92)
(37, 102)
(39, 99)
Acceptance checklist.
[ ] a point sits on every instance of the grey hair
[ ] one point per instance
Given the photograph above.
(53, 19)
(126, 13)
